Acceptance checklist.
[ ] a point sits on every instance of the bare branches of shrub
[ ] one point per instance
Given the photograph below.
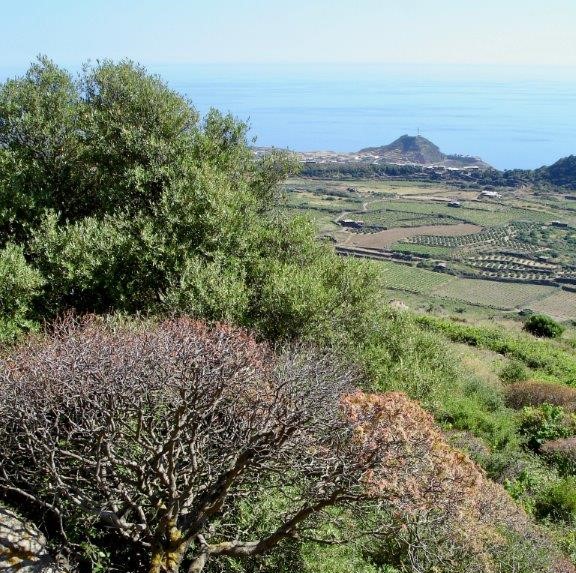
(160, 434)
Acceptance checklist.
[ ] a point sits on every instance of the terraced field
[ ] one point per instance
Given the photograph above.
(385, 239)
(494, 294)
(412, 279)
(520, 237)
(423, 250)
(560, 305)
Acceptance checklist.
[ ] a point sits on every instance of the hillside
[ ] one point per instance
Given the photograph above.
(209, 387)
(562, 173)
(418, 150)
(411, 152)
(407, 148)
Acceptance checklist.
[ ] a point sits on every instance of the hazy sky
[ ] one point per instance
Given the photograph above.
(527, 32)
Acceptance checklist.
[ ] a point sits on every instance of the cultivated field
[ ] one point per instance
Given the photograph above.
(520, 236)
(494, 294)
(412, 279)
(561, 305)
(385, 239)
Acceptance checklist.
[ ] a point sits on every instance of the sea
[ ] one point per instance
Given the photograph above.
(511, 117)
(517, 117)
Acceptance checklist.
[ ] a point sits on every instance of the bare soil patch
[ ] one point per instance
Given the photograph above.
(385, 239)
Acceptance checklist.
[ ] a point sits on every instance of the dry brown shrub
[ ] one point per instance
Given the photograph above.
(534, 393)
(564, 445)
(450, 515)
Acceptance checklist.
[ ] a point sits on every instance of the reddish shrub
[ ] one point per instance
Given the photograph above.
(562, 453)
(535, 393)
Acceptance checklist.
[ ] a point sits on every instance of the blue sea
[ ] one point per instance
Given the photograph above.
(510, 117)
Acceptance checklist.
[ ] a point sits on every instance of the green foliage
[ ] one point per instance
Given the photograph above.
(547, 422)
(19, 285)
(539, 355)
(558, 501)
(542, 325)
(513, 371)
(400, 355)
(39, 135)
(115, 197)
(339, 559)
(563, 172)
(124, 201)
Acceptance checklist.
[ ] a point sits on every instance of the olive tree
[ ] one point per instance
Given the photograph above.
(123, 199)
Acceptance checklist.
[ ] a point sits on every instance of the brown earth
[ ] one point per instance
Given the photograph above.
(385, 239)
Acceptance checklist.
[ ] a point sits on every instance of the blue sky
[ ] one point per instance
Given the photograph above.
(512, 32)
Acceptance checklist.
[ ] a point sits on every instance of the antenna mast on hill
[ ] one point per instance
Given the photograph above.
(418, 132)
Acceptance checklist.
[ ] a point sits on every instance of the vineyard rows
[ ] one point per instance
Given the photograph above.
(412, 279)
(501, 295)
(521, 276)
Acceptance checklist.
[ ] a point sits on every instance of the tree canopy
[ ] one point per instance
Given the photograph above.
(121, 198)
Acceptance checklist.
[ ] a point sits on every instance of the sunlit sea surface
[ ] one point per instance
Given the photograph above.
(511, 117)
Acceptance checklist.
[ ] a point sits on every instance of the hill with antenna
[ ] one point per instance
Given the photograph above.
(420, 151)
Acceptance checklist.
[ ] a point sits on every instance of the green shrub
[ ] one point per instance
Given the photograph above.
(513, 371)
(546, 422)
(542, 325)
(558, 501)
(19, 285)
(126, 202)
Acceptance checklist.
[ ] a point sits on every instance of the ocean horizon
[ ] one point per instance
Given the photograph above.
(511, 117)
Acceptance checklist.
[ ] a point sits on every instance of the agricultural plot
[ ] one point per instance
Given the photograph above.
(482, 214)
(516, 275)
(385, 239)
(496, 242)
(423, 250)
(494, 294)
(506, 238)
(390, 219)
(455, 241)
(561, 305)
(501, 262)
(412, 279)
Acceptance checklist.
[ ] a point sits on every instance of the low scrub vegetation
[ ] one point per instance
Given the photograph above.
(536, 393)
(561, 453)
(550, 360)
(542, 325)
(159, 443)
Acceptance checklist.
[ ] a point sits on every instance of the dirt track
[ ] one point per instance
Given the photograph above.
(385, 239)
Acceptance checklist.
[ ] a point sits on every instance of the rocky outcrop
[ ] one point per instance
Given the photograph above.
(22, 546)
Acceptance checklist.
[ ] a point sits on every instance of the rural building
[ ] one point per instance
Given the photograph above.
(491, 194)
(350, 223)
